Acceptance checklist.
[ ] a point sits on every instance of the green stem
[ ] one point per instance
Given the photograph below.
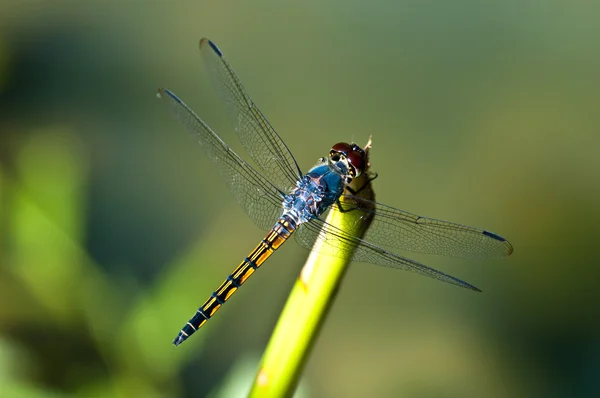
(308, 305)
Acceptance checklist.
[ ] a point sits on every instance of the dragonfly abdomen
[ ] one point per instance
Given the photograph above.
(282, 230)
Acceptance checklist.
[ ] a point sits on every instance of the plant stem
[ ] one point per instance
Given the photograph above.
(309, 303)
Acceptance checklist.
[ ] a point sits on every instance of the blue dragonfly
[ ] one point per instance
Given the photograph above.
(279, 198)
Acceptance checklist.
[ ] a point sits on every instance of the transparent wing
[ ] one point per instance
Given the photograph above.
(394, 228)
(367, 252)
(259, 138)
(257, 196)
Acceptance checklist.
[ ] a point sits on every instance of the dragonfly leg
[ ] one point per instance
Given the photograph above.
(357, 191)
(341, 207)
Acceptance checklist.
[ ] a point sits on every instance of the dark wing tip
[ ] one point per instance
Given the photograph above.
(204, 41)
(494, 236)
(466, 285)
(508, 249)
(163, 92)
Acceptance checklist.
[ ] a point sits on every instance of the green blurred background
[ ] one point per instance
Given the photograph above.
(114, 227)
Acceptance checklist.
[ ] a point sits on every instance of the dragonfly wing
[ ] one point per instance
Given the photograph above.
(366, 252)
(259, 138)
(400, 229)
(257, 196)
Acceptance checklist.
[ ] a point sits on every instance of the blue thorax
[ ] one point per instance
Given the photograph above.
(313, 194)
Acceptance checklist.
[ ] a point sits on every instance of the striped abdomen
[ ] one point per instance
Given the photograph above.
(275, 238)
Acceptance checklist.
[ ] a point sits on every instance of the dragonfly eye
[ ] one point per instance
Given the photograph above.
(356, 159)
(354, 154)
(341, 147)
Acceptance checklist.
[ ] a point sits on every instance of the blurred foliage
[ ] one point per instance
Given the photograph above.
(113, 228)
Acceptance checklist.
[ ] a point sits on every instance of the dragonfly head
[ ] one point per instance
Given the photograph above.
(348, 160)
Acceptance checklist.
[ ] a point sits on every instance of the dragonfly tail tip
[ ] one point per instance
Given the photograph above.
(178, 340)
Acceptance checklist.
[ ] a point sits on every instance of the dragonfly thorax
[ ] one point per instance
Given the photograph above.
(313, 194)
(340, 167)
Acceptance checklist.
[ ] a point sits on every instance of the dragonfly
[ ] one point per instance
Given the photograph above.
(279, 198)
